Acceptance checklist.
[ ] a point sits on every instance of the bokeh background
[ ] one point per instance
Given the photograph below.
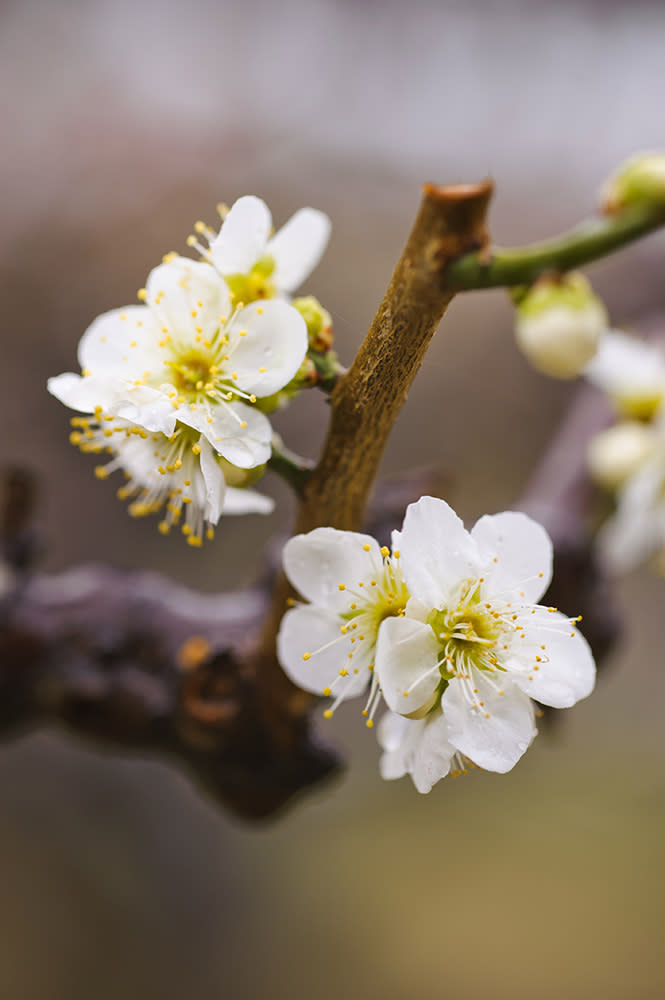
(122, 123)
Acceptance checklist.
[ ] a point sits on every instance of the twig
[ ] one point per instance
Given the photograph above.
(588, 242)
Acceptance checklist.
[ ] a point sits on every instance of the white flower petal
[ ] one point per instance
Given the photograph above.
(245, 446)
(149, 408)
(272, 349)
(80, 393)
(298, 247)
(625, 365)
(565, 672)
(416, 747)
(523, 552)
(407, 655)
(214, 484)
(187, 297)
(436, 551)
(308, 629)
(637, 529)
(243, 237)
(498, 730)
(320, 561)
(122, 342)
(433, 756)
(246, 502)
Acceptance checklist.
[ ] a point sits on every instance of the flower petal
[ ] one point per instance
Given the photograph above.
(436, 551)
(213, 481)
(306, 630)
(272, 347)
(523, 553)
(187, 298)
(407, 655)
(122, 342)
(82, 393)
(321, 562)
(246, 502)
(637, 528)
(239, 432)
(243, 236)
(565, 671)
(495, 729)
(416, 747)
(298, 247)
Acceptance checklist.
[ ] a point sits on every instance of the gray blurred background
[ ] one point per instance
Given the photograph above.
(122, 123)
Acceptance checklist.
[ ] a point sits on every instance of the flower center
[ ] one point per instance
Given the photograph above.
(254, 285)
(470, 632)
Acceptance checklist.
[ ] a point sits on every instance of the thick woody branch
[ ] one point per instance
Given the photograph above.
(366, 401)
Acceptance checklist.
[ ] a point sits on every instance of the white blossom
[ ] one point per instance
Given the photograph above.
(180, 476)
(631, 372)
(257, 264)
(327, 646)
(187, 367)
(636, 530)
(473, 641)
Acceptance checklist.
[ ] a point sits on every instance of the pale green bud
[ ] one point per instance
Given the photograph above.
(318, 321)
(616, 454)
(559, 325)
(237, 477)
(638, 181)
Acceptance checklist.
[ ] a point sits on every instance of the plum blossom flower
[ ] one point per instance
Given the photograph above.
(254, 263)
(190, 479)
(473, 641)
(328, 646)
(188, 367)
(636, 530)
(631, 372)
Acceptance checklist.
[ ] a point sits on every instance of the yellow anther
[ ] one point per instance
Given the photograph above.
(168, 257)
(341, 586)
(262, 370)
(196, 448)
(328, 713)
(367, 548)
(370, 723)
(326, 692)
(260, 310)
(344, 672)
(195, 540)
(191, 241)
(306, 656)
(163, 527)
(101, 472)
(396, 554)
(385, 551)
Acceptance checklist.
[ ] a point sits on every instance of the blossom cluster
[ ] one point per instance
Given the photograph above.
(628, 459)
(444, 627)
(175, 390)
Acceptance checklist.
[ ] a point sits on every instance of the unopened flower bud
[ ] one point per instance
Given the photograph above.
(318, 321)
(559, 325)
(615, 454)
(638, 181)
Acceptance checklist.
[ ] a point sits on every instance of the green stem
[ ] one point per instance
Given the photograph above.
(522, 266)
(291, 467)
(328, 369)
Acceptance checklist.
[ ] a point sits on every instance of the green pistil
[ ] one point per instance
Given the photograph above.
(254, 285)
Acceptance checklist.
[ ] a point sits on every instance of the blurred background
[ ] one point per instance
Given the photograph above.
(123, 122)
